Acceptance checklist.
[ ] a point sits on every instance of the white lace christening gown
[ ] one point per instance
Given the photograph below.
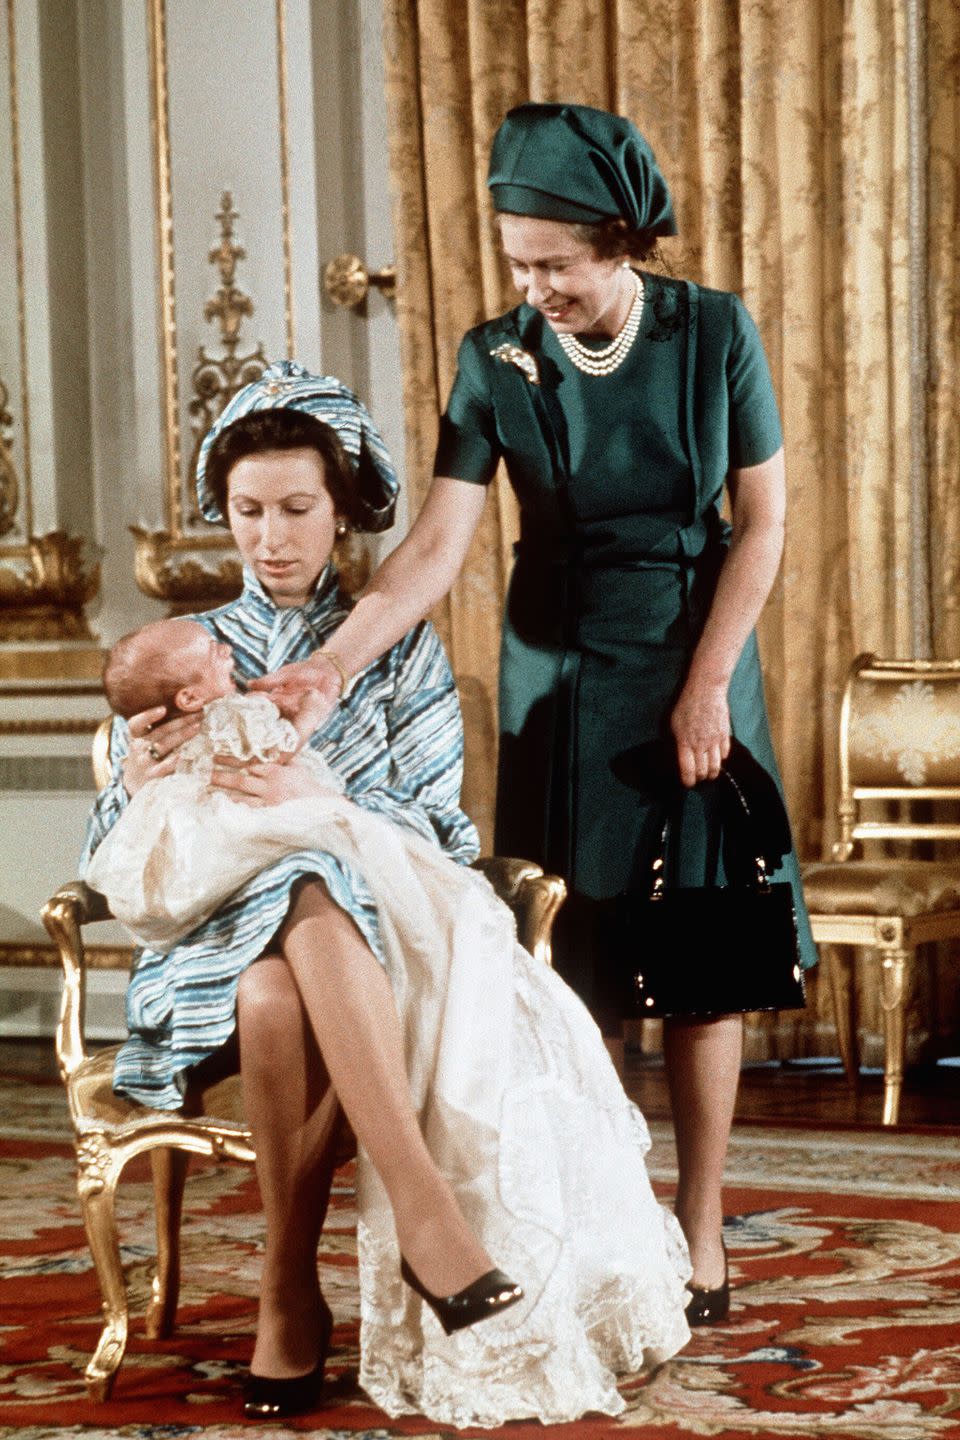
(521, 1109)
(179, 848)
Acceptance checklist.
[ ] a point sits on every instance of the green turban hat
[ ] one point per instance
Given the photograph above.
(580, 165)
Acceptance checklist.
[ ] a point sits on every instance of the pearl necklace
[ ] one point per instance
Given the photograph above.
(612, 356)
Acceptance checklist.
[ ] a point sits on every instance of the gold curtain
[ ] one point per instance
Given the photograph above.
(782, 131)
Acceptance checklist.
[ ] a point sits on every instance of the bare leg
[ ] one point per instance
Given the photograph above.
(350, 1006)
(703, 1072)
(293, 1114)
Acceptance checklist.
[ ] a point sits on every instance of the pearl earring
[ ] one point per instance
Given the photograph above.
(341, 529)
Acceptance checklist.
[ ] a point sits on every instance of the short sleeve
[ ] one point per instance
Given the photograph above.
(467, 448)
(755, 432)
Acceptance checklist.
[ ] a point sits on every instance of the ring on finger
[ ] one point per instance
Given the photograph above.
(152, 750)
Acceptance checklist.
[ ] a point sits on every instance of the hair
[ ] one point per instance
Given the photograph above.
(145, 668)
(614, 239)
(282, 429)
(611, 239)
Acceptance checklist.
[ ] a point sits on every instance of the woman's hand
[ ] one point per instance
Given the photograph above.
(312, 708)
(701, 719)
(266, 782)
(701, 727)
(154, 743)
(403, 589)
(305, 692)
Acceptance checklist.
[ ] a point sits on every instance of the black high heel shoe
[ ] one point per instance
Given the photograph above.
(268, 1399)
(265, 1398)
(710, 1303)
(487, 1296)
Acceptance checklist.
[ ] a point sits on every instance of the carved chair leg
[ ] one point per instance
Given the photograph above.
(97, 1175)
(896, 977)
(841, 971)
(169, 1168)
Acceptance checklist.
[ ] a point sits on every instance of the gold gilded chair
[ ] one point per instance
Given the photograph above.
(110, 1130)
(899, 784)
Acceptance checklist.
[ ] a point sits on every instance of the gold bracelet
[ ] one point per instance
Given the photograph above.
(339, 666)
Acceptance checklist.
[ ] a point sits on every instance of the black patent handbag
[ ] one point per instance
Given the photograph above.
(713, 950)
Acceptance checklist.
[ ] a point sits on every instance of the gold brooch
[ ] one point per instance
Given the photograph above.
(524, 361)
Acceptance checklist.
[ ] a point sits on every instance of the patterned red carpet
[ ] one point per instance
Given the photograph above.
(845, 1254)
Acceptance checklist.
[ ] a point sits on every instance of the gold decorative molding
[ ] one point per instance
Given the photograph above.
(63, 688)
(74, 661)
(163, 207)
(47, 727)
(165, 572)
(97, 957)
(352, 559)
(347, 281)
(216, 379)
(9, 484)
(46, 603)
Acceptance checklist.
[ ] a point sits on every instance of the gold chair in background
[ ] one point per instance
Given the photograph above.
(109, 1130)
(899, 784)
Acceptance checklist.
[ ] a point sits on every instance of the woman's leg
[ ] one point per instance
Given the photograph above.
(703, 1071)
(294, 1116)
(351, 1009)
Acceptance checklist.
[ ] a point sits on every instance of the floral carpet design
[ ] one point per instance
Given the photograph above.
(844, 1251)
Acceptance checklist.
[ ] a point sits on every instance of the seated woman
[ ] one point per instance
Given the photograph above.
(492, 1127)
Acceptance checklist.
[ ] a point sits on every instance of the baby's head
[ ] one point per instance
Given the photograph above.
(175, 663)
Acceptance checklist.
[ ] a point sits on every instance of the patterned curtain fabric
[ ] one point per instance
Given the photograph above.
(943, 87)
(782, 130)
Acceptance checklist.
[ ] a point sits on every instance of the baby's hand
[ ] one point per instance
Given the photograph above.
(222, 760)
(260, 783)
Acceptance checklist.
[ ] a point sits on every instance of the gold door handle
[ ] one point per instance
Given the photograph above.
(347, 280)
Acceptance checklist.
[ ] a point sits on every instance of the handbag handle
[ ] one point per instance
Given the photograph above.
(735, 806)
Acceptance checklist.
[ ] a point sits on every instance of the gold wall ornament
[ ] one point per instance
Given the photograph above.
(174, 563)
(165, 572)
(216, 379)
(347, 281)
(46, 602)
(9, 484)
(353, 561)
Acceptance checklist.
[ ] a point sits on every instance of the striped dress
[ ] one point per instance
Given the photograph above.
(396, 741)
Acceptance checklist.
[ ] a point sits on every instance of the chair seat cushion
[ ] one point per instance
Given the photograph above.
(95, 1104)
(894, 887)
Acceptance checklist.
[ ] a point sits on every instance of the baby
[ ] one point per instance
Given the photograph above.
(180, 665)
(180, 847)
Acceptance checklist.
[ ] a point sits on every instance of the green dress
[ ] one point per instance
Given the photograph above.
(619, 480)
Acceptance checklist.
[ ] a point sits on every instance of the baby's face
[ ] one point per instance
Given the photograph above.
(207, 665)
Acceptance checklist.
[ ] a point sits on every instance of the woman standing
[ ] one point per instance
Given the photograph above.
(621, 403)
